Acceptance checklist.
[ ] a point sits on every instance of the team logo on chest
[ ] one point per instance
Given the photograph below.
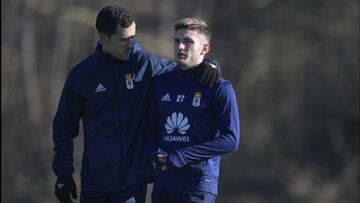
(100, 88)
(178, 123)
(166, 98)
(129, 81)
(197, 99)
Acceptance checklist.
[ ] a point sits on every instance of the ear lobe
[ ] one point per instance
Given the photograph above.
(103, 37)
(205, 49)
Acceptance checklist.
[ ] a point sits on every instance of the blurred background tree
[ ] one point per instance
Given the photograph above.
(294, 65)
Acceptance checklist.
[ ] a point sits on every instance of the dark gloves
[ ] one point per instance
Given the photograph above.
(210, 73)
(64, 186)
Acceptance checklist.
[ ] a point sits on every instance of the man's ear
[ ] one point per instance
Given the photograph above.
(104, 37)
(205, 48)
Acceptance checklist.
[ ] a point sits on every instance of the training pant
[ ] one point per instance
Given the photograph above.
(133, 194)
(180, 196)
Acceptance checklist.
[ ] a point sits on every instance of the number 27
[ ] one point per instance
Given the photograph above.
(180, 98)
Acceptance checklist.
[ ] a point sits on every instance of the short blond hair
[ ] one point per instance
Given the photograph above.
(194, 23)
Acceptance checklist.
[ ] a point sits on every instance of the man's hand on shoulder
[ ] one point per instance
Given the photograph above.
(210, 73)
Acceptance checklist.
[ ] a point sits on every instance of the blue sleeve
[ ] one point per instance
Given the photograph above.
(136, 48)
(159, 65)
(152, 127)
(228, 132)
(65, 128)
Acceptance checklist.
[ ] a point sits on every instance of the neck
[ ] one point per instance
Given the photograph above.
(103, 48)
(189, 67)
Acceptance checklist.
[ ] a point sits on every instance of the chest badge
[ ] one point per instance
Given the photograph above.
(197, 99)
(129, 81)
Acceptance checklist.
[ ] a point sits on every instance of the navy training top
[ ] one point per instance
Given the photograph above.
(194, 124)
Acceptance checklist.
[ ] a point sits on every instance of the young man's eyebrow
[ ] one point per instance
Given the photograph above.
(188, 39)
(124, 39)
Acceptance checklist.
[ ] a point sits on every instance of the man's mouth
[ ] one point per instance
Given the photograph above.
(181, 55)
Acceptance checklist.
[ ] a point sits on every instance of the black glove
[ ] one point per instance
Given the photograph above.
(210, 73)
(64, 186)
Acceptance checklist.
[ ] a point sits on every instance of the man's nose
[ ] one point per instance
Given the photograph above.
(181, 46)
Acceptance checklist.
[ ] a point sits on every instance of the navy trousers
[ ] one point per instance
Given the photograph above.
(180, 196)
(133, 194)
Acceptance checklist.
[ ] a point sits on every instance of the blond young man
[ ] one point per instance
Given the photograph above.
(190, 126)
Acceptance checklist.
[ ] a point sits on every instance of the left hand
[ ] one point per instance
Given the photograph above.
(65, 188)
(210, 73)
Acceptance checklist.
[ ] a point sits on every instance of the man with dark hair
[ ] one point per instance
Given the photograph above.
(109, 17)
(107, 90)
(190, 126)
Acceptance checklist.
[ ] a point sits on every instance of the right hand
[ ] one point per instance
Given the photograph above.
(64, 186)
(161, 157)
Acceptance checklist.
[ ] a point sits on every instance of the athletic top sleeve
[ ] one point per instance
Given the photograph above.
(159, 65)
(65, 128)
(152, 117)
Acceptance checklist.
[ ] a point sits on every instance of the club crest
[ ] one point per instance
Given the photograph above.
(197, 99)
(129, 81)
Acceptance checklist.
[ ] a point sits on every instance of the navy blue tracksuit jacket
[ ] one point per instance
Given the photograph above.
(109, 96)
(194, 125)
